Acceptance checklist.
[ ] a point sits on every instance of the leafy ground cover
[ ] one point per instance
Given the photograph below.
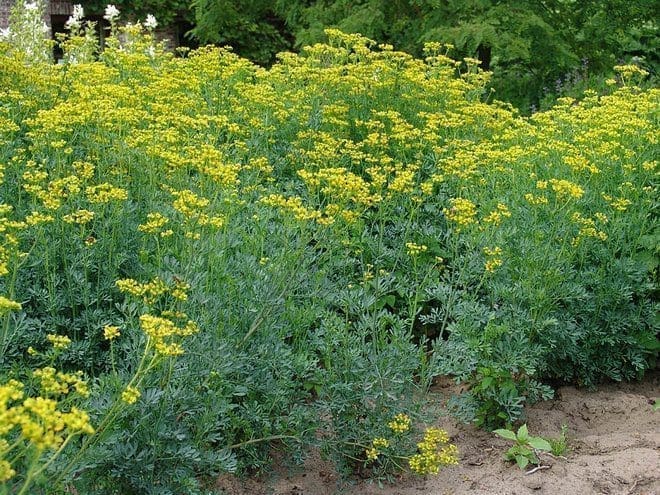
(201, 258)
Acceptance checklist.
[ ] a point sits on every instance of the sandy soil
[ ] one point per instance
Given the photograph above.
(614, 442)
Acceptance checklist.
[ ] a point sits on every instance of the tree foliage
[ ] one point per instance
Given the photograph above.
(166, 11)
(251, 27)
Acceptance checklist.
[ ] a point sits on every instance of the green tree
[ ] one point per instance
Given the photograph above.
(251, 27)
(165, 11)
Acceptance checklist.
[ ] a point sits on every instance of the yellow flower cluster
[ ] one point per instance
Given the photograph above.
(189, 204)
(6, 471)
(151, 291)
(192, 207)
(154, 224)
(496, 216)
(415, 249)
(37, 218)
(104, 193)
(341, 185)
(7, 305)
(41, 423)
(536, 199)
(80, 217)
(375, 450)
(381, 443)
(162, 333)
(372, 453)
(57, 191)
(628, 71)
(565, 189)
(292, 205)
(400, 423)
(111, 332)
(84, 170)
(59, 342)
(579, 163)
(462, 212)
(53, 382)
(434, 453)
(619, 204)
(494, 260)
(404, 180)
(130, 395)
(180, 290)
(588, 228)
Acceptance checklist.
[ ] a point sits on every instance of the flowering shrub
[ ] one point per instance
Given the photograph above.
(231, 260)
(28, 36)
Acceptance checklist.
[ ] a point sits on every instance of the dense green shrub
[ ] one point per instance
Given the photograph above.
(241, 259)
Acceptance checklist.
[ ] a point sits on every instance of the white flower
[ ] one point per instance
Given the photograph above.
(150, 22)
(5, 34)
(78, 12)
(72, 22)
(76, 17)
(111, 13)
(31, 6)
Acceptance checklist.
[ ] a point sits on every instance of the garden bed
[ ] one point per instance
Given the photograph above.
(614, 442)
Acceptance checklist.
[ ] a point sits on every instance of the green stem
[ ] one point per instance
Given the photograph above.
(30, 474)
(264, 439)
(55, 455)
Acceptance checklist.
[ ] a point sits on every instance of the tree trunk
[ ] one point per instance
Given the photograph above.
(484, 53)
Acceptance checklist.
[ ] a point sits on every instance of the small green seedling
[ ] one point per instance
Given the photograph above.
(559, 445)
(525, 446)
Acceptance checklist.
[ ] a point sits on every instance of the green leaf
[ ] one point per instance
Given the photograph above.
(486, 382)
(389, 300)
(508, 434)
(523, 434)
(540, 443)
(522, 461)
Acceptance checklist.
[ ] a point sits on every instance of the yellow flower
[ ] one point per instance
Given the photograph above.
(372, 453)
(188, 203)
(155, 222)
(400, 423)
(492, 264)
(36, 218)
(59, 341)
(163, 333)
(58, 383)
(565, 189)
(80, 217)
(434, 452)
(415, 249)
(130, 395)
(6, 471)
(462, 212)
(380, 443)
(7, 305)
(104, 193)
(111, 332)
